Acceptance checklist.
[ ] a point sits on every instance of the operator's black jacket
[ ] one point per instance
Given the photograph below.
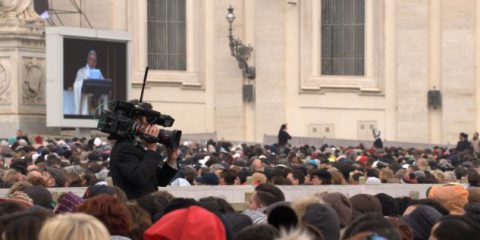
(137, 172)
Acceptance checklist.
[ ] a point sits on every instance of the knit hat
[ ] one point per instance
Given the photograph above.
(58, 174)
(341, 205)
(452, 197)
(208, 179)
(193, 222)
(474, 195)
(98, 189)
(274, 205)
(283, 217)
(364, 203)
(68, 203)
(19, 197)
(389, 205)
(40, 196)
(421, 220)
(325, 219)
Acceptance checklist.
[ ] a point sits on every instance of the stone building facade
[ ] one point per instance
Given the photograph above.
(405, 49)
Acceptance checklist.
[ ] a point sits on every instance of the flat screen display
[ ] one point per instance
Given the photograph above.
(87, 69)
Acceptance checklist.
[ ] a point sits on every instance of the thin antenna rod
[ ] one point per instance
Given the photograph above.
(144, 83)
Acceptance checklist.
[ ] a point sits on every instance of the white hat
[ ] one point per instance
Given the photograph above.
(373, 181)
(97, 141)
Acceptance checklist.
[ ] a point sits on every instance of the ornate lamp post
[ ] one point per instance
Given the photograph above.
(238, 50)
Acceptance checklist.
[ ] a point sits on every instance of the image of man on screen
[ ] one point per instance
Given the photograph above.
(83, 101)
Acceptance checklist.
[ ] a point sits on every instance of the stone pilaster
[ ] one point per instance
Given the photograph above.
(22, 73)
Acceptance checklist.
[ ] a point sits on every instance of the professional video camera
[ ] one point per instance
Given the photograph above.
(122, 122)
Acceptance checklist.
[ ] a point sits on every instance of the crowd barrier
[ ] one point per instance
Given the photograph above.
(237, 194)
(300, 141)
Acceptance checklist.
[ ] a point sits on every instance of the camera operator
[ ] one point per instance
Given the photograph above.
(136, 166)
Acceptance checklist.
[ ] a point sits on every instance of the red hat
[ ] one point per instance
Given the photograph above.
(188, 223)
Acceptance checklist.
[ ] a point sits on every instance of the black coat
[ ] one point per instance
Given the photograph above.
(283, 138)
(463, 145)
(136, 171)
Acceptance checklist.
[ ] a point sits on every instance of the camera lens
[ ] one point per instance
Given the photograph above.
(170, 139)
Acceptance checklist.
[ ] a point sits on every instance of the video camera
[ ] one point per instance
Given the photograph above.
(122, 122)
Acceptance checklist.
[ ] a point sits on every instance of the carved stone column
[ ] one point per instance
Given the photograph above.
(22, 70)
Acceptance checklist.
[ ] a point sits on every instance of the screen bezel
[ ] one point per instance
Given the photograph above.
(55, 70)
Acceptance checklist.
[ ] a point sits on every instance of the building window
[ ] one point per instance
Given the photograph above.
(167, 34)
(343, 37)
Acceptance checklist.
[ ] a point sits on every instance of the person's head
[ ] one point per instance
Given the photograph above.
(24, 225)
(92, 59)
(421, 220)
(73, 180)
(425, 201)
(296, 177)
(202, 225)
(372, 224)
(19, 133)
(110, 211)
(364, 203)
(463, 136)
(190, 174)
(389, 205)
(227, 177)
(216, 204)
(155, 203)
(54, 177)
(274, 190)
(452, 228)
(41, 196)
(257, 165)
(323, 218)
(473, 178)
(283, 127)
(120, 194)
(355, 178)
(452, 197)
(67, 202)
(19, 186)
(257, 232)
(258, 178)
(260, 199)
(341, 205)
(141, 220)
(321, 177)
(386, 174)
(33, 172)
(97, 190)
(73, 226)
(337, 178)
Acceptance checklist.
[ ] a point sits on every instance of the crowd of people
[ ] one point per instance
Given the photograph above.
(29, 166)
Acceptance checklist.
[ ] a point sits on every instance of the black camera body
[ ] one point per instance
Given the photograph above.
(122, 123)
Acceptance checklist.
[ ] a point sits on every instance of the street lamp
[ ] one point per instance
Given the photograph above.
(238, 50)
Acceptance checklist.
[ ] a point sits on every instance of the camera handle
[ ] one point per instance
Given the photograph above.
(144, 83)
(149, 138)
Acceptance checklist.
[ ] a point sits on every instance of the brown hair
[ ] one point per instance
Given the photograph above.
(141, 221)
(110, 211)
